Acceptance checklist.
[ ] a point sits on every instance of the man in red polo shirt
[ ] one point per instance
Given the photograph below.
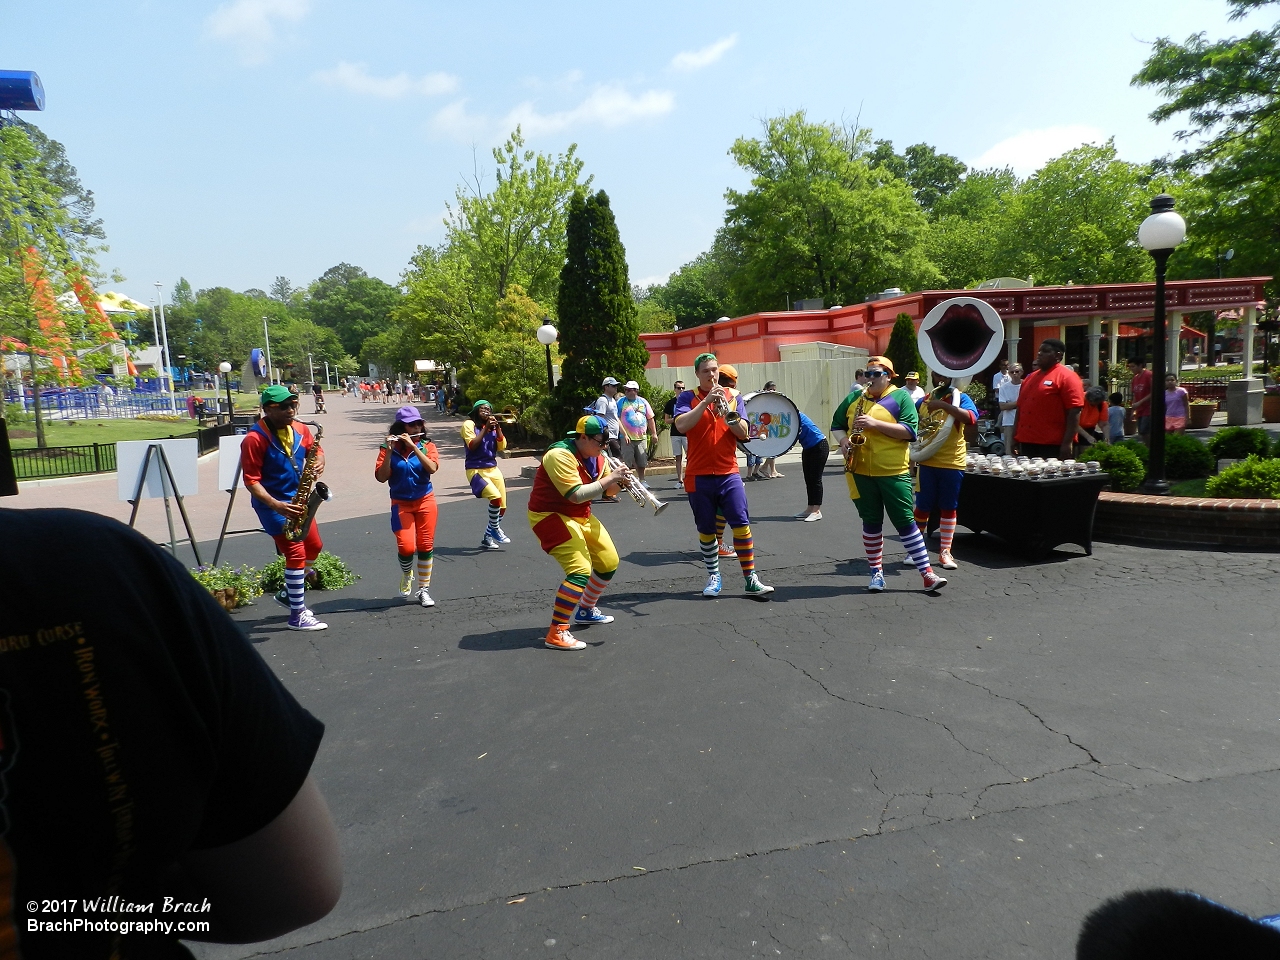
(1141, 388)
(1049, 405)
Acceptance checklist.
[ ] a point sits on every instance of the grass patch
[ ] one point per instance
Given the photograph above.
(1189, 488)
(74, 432)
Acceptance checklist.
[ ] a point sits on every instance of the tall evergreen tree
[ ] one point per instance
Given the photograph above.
(902, 349)
(599, 332)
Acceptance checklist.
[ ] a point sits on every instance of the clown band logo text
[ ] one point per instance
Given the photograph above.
(768, 425)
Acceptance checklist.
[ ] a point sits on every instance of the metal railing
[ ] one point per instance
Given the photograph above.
(35, 464)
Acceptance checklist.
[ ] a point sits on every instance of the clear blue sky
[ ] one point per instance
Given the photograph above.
(231, 142)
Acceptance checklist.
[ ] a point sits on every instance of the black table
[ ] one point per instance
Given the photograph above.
(1032, 516)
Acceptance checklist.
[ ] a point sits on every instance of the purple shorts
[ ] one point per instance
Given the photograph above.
(718, 494)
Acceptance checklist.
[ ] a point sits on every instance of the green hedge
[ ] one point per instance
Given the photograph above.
(1126, 470)
(1186, 458)
(1255, 478)
(1237, 443)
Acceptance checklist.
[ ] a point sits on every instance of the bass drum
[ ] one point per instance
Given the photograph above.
(773, 424)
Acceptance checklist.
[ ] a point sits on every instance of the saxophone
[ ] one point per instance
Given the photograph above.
(311, 491)
(856, 438)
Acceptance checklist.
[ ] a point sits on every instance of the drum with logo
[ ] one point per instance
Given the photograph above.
(773, 424)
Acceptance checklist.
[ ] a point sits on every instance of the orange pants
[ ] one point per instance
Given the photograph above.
(414, 524)
(298, 553)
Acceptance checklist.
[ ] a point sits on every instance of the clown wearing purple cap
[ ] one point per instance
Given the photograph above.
(406, 461)
(482, 433)
(568, 479)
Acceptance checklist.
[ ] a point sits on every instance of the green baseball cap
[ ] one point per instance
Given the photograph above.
(276, 393)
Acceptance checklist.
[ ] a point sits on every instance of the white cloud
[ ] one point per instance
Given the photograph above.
(607, 106)
(1027, 152)
(651, 280)
(251, 24)
(357, 79)
(691, 60)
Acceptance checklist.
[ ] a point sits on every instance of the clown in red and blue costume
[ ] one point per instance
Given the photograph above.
(272, 457)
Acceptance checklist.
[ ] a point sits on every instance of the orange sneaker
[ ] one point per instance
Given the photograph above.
(559, 638)
(725, 550)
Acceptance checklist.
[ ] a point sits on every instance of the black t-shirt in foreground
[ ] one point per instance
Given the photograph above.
(136, 723)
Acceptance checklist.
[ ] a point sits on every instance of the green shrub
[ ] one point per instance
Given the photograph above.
(243, 580)
(331, 574)
(1126, 470)
(1237, 443)
(1255, 478)
(1186, 458)
(1137, 448)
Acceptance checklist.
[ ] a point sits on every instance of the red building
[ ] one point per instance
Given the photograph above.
(1085, 317)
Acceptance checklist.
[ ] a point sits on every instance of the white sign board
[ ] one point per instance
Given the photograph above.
(424, 366)
(183, 458)
(228, 460)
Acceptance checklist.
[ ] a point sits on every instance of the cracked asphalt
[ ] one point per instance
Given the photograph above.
(828, 774)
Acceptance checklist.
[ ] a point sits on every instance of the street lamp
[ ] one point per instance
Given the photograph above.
(225, 369)
(271, 371)
(168, 360)
(547, 335)
(312, 367)
(1158, 235)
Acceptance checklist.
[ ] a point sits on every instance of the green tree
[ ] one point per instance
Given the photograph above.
(512, 365)
(353, 304)
(599, 335)
(1229, 92)
(1076, 220)
(971, 225)
(819, 220)
(930, 174)
(902, 350)
(651, 316)
(183, 295)
(516, 233)
(698, 292)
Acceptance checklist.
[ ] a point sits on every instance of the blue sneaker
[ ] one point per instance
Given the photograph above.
(500, 535)
(712, 589)
(585, 617)
(877, 582)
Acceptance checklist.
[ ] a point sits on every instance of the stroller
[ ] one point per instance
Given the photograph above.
(990, 439)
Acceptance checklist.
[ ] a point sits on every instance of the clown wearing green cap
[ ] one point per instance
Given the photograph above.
(569, 477)
(482, 433)
(272, 457)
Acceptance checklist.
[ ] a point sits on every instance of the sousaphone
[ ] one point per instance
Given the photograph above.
(957, 339)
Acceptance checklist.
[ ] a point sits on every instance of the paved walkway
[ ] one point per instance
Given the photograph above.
(830, 774)
(352, 433)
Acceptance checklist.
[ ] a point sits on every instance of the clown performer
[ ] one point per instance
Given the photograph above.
(713, 419)
(406, 461)
(874, 427)
(482, 434)
(272, 458)
(568, 479)
(940, 476)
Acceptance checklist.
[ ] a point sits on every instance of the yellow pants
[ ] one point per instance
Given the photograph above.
(579, 546)
(487, 484)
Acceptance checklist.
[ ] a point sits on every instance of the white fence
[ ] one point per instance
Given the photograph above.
(815, 386)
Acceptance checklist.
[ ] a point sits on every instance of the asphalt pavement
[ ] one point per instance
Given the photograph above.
(830, 773)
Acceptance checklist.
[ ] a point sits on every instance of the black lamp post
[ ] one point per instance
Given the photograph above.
(1159, 234)
(225, 369)
(547, 335)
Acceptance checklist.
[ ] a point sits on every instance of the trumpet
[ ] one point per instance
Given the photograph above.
(639, 492)
(720, 408)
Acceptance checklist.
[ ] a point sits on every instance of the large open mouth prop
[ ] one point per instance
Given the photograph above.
(960, 337)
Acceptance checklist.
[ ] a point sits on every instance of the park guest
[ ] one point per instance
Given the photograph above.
(1141, 390)
(677, 439)
(1176, 406)
(637, 427)
(148, 752)
(1007, 400)
(911, 383)
(1094, 418)
(1115, 418)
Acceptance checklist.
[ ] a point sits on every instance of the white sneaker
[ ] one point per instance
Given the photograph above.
(488, 543)
(908, 562)
(424, 598)
(712, 589)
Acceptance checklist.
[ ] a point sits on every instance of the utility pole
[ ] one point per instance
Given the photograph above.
(168, 364)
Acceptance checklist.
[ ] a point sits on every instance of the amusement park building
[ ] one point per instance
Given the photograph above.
(1088, 318)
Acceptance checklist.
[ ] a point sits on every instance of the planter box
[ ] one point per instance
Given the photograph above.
(1271, 407)
(1202, 415)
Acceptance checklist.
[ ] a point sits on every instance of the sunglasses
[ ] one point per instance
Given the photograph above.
(872, 374)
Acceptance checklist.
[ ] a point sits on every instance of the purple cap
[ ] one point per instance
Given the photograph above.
(408, 414)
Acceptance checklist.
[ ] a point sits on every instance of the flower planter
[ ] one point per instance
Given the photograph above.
(1202, 415)
(1130, 423)
(1271, 407)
